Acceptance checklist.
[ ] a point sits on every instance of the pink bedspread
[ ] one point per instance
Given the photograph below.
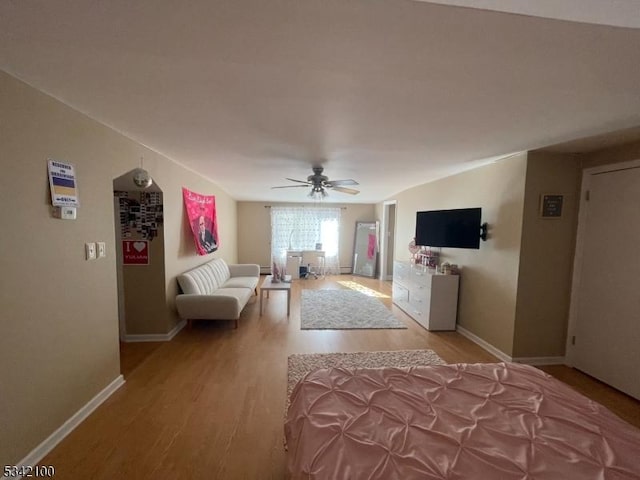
(466, 421)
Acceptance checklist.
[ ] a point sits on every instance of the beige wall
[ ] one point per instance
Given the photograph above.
(180, 252)
(622, 153)
(546, 258)
(515, 291)
(254, 230)
(179, 248)
(59, 311)
(548, 247)
(489, 280)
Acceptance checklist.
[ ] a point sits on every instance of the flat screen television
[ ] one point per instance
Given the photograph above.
(458, 228)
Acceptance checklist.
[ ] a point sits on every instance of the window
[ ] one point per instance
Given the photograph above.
(301, 228)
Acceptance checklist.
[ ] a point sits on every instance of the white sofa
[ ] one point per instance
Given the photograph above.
(216, 291)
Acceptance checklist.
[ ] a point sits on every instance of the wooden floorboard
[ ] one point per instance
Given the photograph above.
(210, 403)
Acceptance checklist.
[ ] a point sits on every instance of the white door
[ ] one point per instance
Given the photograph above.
(606, 329)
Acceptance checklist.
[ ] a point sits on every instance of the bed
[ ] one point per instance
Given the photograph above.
(463, 421)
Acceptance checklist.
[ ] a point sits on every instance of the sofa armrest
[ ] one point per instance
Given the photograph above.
(208, 307)
(244, 270)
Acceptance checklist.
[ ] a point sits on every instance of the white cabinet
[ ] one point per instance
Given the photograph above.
(430, 299)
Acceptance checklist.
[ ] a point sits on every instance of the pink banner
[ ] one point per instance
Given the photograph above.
(201, 211)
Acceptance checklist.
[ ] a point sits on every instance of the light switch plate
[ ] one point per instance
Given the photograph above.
(102, 249)
(90, 250)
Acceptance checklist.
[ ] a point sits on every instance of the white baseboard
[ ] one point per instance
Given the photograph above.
(156, 337)
(67, 427)
(506, 358)
(540, 360)
(486, 345)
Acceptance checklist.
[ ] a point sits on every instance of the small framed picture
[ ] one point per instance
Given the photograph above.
(318, 246)
(551, 205)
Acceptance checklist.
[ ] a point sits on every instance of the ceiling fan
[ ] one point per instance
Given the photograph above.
(320, 184)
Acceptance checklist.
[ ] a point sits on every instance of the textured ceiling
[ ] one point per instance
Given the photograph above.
(391, 93)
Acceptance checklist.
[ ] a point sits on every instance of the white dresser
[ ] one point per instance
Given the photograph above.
(430, 299)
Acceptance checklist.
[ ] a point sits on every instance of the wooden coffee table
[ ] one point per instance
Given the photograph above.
(268, 285)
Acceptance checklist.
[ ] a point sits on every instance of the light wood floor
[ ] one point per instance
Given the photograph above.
(210, 403)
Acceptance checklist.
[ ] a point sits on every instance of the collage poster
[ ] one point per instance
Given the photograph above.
(201, 212)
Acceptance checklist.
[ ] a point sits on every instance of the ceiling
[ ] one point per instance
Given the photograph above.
(391, 93)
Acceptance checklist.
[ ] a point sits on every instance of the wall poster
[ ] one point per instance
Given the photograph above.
(201, 212)
(551, 206)
(135, 252)
(141, 214)
(62, 181)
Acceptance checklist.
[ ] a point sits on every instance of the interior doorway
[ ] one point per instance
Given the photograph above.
(139, 251)
(387, 239)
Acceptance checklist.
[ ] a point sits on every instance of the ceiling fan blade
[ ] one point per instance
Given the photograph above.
(292, 186)
(339, 183)
(350, 191)
(299, 181)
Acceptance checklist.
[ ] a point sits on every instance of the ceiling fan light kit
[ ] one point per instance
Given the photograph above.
(317, 193)
(320, 183)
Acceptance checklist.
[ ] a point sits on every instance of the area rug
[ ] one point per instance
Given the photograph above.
(344, 309)
(298, 365)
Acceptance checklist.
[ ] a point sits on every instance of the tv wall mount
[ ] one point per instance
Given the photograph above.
(483, 231)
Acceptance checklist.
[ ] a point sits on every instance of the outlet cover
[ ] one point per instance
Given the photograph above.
(102, 249)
